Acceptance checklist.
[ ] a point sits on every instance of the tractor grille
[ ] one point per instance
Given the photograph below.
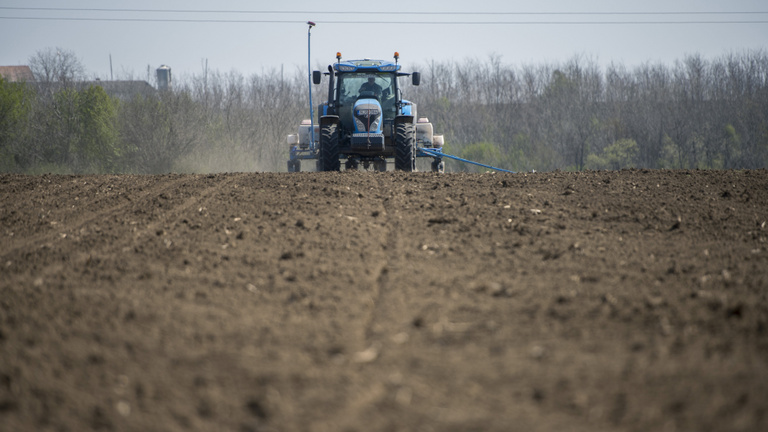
(368, 141)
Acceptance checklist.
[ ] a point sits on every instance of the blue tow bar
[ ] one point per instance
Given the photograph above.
(439, 154)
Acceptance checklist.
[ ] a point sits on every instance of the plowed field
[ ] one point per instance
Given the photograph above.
(358, 301)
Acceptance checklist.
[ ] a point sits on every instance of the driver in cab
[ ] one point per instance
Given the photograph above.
(371, 86)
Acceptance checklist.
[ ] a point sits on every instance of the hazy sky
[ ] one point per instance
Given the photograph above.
(151, 38)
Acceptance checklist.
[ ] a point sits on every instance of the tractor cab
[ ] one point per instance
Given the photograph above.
(367, 96)
(362, 92)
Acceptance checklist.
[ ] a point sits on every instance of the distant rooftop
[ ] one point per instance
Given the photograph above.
(123, 89)
(120, 89)
(17, 73)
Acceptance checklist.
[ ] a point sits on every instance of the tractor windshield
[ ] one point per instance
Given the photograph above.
(356, 85)
(367, 85)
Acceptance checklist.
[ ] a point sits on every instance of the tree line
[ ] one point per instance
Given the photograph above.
(696, 113)
(209, 122)
(573, 115)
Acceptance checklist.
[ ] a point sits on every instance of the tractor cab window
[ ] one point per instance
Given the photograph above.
(366, 85)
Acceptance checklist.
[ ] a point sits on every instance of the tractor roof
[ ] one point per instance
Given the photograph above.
(366, 65)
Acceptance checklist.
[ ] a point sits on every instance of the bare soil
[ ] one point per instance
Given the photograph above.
(358, 301)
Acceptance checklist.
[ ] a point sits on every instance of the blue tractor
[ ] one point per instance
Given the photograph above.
(365, 121)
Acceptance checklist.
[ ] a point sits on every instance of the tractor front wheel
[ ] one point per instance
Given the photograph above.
(329, 147)
(405, 154)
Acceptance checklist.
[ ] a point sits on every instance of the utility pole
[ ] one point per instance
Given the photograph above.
(309, 73)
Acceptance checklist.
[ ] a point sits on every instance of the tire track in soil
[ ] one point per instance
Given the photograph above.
(381, 286)
(85, 217)
(398, 291)
(121, 300)
(385, 294)
(103, 254)
(196, 199)
(367, 343)
(384, 329)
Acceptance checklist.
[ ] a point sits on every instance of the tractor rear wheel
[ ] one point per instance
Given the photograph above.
(329, 147)
(405, 154)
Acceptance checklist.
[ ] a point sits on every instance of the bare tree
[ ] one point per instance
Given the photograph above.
(56, 65)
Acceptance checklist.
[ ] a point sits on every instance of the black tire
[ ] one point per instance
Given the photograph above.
(329, 147)
(351, 165)
(380, 165)
(294, 165)
(438, 166)
(405, 154)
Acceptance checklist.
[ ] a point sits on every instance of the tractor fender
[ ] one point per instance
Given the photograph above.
(328, 120)
(404, 119)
